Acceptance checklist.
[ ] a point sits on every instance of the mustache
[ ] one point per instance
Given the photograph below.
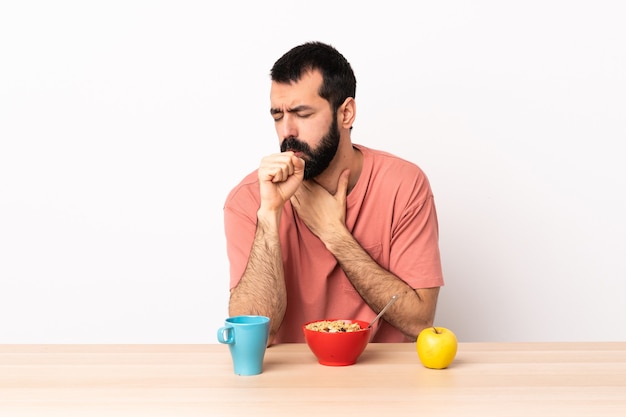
(292, 143)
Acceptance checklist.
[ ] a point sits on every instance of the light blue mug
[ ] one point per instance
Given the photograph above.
(246, 336)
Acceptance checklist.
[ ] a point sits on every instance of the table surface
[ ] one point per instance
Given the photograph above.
(486, 379)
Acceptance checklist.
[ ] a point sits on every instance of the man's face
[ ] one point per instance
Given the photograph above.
(305, 122)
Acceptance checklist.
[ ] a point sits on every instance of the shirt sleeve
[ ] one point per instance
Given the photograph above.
(415, 255)
(240, 211)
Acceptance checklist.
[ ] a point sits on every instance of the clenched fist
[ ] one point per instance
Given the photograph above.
(280, 175)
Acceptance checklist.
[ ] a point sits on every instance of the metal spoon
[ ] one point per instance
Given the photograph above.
(393, 300)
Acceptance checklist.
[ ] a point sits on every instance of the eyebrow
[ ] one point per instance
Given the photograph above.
(292, 110)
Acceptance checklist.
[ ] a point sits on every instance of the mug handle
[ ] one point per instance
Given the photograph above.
(230, 338)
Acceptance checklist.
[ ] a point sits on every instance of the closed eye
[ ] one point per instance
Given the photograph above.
(276, 114)
(302, 112)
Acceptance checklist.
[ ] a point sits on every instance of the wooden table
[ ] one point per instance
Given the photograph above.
(486, 379)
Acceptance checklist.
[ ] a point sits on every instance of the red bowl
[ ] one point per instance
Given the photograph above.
(337, 349)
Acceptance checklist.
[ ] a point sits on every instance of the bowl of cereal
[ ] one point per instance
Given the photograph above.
(337, 342)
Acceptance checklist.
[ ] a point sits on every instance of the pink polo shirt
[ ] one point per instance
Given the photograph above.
(390, 212)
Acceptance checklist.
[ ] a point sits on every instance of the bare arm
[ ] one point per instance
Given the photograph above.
(413, 311)
(261, 289)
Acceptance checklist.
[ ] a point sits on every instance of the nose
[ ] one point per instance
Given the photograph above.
(287, 127)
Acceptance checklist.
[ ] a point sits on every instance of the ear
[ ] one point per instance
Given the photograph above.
(347, 113)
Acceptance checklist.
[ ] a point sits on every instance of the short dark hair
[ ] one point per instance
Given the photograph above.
(339, 81)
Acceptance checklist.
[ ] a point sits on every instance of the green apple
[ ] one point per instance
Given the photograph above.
(436, 347)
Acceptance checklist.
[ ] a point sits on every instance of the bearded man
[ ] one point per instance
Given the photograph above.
(327, 228)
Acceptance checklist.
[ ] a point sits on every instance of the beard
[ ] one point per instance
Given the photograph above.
(316, 160)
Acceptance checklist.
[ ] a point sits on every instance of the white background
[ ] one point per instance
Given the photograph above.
(124, 124)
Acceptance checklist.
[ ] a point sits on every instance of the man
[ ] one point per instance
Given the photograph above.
(327, 228)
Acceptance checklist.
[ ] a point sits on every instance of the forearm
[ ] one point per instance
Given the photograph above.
(413, 311)
(261, 290)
